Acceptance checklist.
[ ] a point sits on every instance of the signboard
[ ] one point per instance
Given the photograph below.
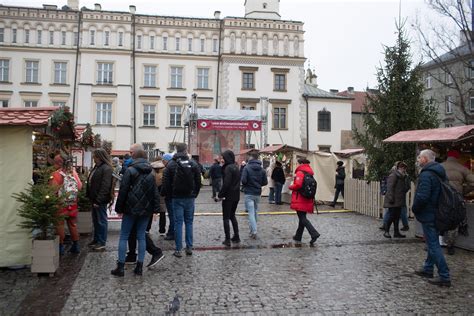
(229, 125)
(78, 157)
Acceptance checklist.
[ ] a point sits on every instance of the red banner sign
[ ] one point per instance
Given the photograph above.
(230, 125)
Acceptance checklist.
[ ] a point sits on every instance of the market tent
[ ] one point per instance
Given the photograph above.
(16, 154)
(438, 135)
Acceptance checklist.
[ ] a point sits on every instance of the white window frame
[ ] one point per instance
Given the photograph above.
(76, 38)
(177, 41)
(176, 77)
(448, 104)
(277, 112)
(139, 42)
(120, 39)
(4, 103)
(39, 35)
(60, 104)
(105, 73)
(165, 42)
(51, 37)
(2, 34)
(149, 114)
(32, 71)
(471, 102)
(149, 78)
(106, 38)
(203, 45)
(176, 112)
(203, 78)
(60, 73)
(27, 36)
(190, 44)
(30, 103)
(14, 35)
(472, 70)
(63, 37)
(92, 37)
(4, 70)
(103, 113)
(428, 81)
(215, 45)
(448, 78)
(152, 42)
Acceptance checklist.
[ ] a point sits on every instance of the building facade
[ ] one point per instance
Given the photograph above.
(132, 75)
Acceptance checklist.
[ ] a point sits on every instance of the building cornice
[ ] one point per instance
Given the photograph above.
(264, 60)
(64, 50)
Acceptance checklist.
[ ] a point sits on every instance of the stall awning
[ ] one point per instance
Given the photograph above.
(349, 152)
(246, 151)
(450, 134)
(279, 148)
(26, 116)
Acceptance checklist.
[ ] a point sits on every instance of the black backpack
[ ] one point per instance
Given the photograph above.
(451, 207)
(308, 190)
(183, 181)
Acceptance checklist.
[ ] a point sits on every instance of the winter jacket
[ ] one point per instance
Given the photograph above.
(231, 180)
(99, 184)
(278, 175)
(159, 168)
(215, 172)
(125, 165)
(58, 180)
(269, 171)
(135, 196)
(169, 173)
(425, 203)
(340, 175)
(254, 178)
(299, 202)
(396, 190)
(458, 175)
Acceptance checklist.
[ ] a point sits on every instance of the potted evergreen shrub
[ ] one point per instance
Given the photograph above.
(39, 208)
(84, 216)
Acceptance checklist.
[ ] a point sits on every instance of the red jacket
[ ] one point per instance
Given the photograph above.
(298, 202)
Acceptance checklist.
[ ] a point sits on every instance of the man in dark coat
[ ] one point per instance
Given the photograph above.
(215, 173)
(278, 177)
(339, 186)
(230, 195)
(425, 206)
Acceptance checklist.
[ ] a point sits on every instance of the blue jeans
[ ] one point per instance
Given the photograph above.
(127, 224)
(251, 205)
(271, 195)
(404, 216)
(435, 253)
(278, 188)
(183, 209)
(99, 219)
(169, 208)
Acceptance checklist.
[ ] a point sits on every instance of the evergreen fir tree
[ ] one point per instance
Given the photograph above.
(399, 106)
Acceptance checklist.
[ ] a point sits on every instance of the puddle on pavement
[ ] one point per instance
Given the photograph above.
(275, 246)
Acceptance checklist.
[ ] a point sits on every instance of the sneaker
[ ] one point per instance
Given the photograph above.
(405, 228)
(440, 282)
(189, 251)
(313, 239)
(399, 235)
(235, 239)
(131, 259)
(177, 254)
(92, 243)
(298, 241)
(271, 202)
(382, 227)
(98, 247)
(253, 236)
(75, 248)
(387, 235)
(226, 243)
(155, 259)
(424, 274)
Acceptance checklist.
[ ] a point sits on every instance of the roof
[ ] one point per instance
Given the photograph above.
(349, 152)
(454, 54)
(359, 99)
(279, 148)
(246, 151)
(228, 115)
(314, 92)
(26, 116)
(450, 134)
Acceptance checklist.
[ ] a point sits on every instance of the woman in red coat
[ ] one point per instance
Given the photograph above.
(301, 204)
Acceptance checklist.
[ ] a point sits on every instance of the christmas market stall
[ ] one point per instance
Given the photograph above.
(442, 140)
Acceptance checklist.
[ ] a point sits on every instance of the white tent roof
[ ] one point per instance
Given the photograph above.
(228, 115)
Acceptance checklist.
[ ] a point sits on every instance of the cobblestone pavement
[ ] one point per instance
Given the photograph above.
(352, 270)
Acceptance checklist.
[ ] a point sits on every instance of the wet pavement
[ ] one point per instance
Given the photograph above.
(352, 269)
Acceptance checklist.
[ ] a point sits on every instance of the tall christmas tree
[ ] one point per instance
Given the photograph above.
(398, 106)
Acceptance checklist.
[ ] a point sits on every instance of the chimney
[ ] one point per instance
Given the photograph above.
(350, 89)
(132, 9)
(50, 7)
(73, 4)
(333, 91)
(97, 7)
(217, 15)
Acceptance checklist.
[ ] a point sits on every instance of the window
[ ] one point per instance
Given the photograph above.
(324, 121)
(39, 34)
(203, 78)
(248, 81)
(472, 69)
(60, 72)
(149, 149)
(139, 42)
(150, 76)
(63, 38)
(14, 33)
(31, 104)
(92, 36)
(2, 34)
(165, 43)
(51, 37)
(279, 117)
(215, 45)
(280, 82)
(120, 39)
(324, 148)
(178, 44)
(448, 125)
(175, 116)
(148, 115)
(203, 44)
(176, 77)
(103, 113)
(61, 104)
(152, 42)
(27, 36)
(449, 104)
(471, 102)
(76, 38)
(428, 81)
(106, 38)
(448, 78)
(4, 70)
(104, 73)
(4, 103)
(32, 68)
(248, 107)
(190, 44)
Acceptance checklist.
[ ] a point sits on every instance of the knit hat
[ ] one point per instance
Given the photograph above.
(167, 157)
(454, 153)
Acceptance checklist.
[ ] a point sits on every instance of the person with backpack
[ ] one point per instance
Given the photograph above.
(138, 200)
(278, 178)
(230, 196)
(339, 183)
(302, 199)
(182, 181)
(254, 178)
(215, 173)
(425, 207)
(100, 192)
(68, 183)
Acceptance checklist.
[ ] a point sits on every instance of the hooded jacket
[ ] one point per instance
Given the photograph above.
(169, 173)
(254, 177)
(99, 184)
(299, 202)
(340, 175)
(397, 187)
(278, 175)
(215, 172)
(425, 203)
(231, 178)
(138, 197)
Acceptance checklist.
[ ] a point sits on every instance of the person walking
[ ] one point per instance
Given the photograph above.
(138, 199)
(230, 195)
(215, 173)
(68, 184)
(339, 184)
(395, 198)
(168, 200)
(159, 168)
(182, 179)
(301, 204)
(462, 179)
(425, 205)
(278, 178)
(100, 191)
(253, 178)
(271, 184)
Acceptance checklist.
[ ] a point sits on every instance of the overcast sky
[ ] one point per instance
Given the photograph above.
(343, 39)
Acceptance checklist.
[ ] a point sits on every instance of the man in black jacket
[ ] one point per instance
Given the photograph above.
(339, 186)
(278, 177)
(230, 195)
(182, 181)
(215, 173)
